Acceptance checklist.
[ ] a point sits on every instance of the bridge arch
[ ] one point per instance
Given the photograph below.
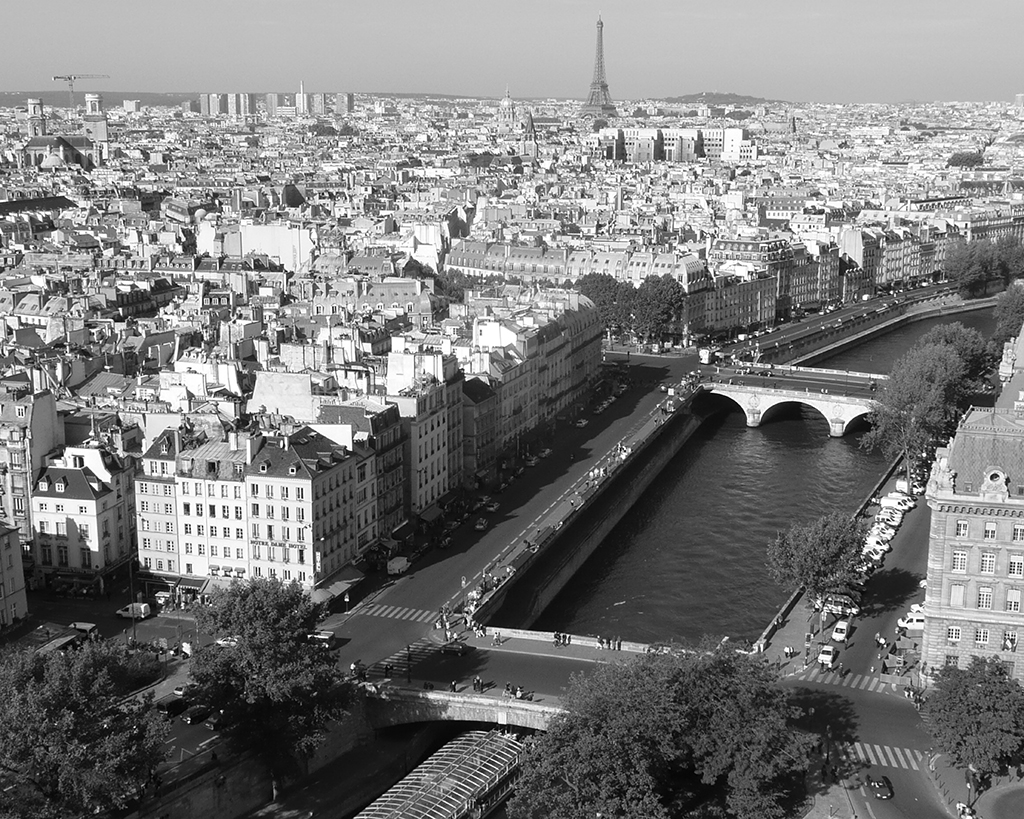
(838, 410)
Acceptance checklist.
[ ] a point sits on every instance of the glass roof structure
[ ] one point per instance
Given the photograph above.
(447, 784)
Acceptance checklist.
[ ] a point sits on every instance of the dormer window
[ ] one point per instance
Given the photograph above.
(263, 467)
(44, 485)
(292, 470)
(60, 485)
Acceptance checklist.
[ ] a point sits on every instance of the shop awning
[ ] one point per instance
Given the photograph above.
(403, 531)
(431, 513)
(195, 583)
(447, 498)
(336, 585)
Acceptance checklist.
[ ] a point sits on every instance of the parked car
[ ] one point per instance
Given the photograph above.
(582, 422)
(531, 461)
(881, 787)
(544, 453)
(454, 647)
(480, 525)
(911, 621)
(216, 721)
(841, 631)
(197, 713)
(227, 642)
(493, 506)
(184, 690)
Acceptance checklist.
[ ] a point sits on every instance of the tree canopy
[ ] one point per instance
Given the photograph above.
(970, 266)
(972, 349)
(1009, 313)
(73, 743)
(663, 733)
(978, 714)
(277, 690)
(821, 555)
(918, 406)
(966, 159)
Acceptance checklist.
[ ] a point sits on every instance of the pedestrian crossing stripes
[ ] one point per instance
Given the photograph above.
(405, 659)
(863, 682)
(886, 756)
(398, 613)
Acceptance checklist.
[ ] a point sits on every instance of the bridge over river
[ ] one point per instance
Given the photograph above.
(840, 396)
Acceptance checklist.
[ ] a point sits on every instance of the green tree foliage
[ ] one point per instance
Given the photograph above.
(820, 555)
(972, 349)
(656, 307)
(970, 266)
(1009, 314)
(613, 299)
(1009, 258)
(321, 129)
(278, 691)
(653, 737)
(73, 743)
(918, 405)
(966, 159)
(978, 715)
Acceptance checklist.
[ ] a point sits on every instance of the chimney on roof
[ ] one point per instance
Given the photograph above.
(285, 443)
(233, 441)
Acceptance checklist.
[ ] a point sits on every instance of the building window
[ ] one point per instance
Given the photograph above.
(239, 553)
(1013, 599)
(188, 528)
(188, 568)
(990, 531)
(47, 556)
(201, 530)
(239, 534)
(953, 634)
(985, 597)
(1018, 533)
(988, 563)
(956, 595)
(188, 548)
(1009, 641)
(256, 510)
(961, 528)
(1016, 566)
(959, 561)
(981, 636)
(186, 509)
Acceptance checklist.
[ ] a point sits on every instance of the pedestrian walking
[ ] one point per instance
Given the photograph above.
(452, 686)
(496, 641)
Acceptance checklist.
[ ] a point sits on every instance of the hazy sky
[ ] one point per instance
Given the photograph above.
(821, 50)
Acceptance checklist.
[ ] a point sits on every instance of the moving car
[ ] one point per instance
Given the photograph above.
(171, 707)
(582, 423)
(493, 506)
(841, 631)
(881, 787)
(828, 656)
(135, 611)
(197, 713)
(481, 524)
(544, 453)
(454, 647)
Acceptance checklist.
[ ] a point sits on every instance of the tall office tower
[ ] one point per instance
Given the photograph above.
(1018, 101)
(190, 107)
(345, 103)
(317, 104)
(272, 103)
(204, 104)
(301, 101)
(599, 102)
(132, 106)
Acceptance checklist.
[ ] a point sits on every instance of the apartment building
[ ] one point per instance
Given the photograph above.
(13, 599)
(298, 506)
(83, 516)
(976, 545)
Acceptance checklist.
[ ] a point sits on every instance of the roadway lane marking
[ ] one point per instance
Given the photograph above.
(866, 751)
(881, 756)
(892, 759)
(899, 756)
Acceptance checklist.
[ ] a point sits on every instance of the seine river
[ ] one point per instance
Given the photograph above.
(689, 558)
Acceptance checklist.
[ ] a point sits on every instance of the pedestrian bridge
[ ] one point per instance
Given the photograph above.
(387, 706)
(845, 397)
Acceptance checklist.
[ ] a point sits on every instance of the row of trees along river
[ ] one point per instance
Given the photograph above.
(689, 558)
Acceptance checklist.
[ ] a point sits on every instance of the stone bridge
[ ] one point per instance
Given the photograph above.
(757, 401)
(387, 706)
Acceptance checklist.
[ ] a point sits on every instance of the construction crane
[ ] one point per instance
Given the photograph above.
(70, 80)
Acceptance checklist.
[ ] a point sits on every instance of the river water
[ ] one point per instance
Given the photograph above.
(689, 558)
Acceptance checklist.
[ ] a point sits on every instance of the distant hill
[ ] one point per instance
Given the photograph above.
(719, 98)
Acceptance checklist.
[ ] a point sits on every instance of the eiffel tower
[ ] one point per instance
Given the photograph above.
(599, 102)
